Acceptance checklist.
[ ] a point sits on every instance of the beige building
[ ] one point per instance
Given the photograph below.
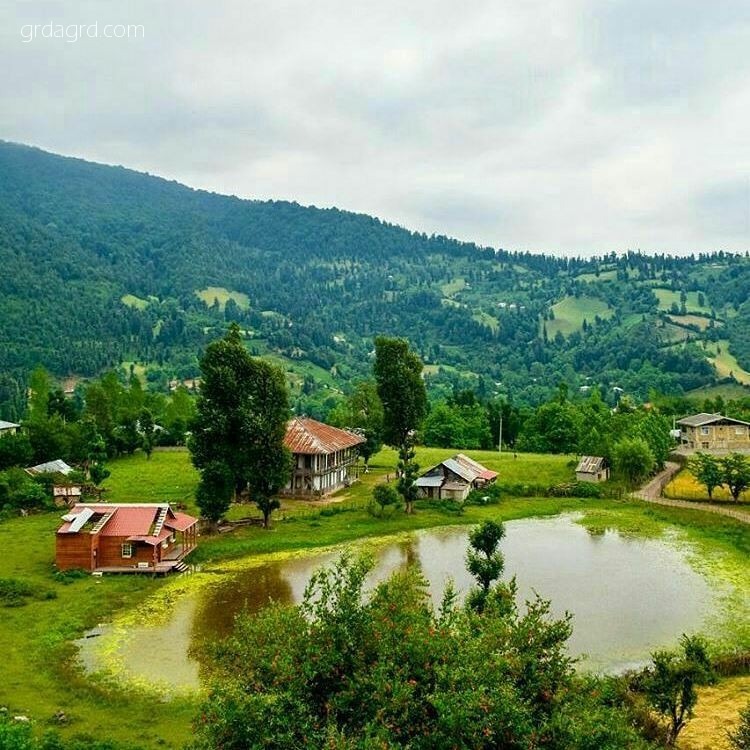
(8, 428)
(714, 432)
(454, 478)
(592, 469)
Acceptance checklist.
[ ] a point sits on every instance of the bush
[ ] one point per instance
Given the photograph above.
(14, 593)
(489, 495)
(740, 739)
(576, 489)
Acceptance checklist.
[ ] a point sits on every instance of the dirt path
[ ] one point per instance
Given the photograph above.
(651, 493)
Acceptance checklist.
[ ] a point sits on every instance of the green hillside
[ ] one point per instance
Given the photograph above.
(105, 266)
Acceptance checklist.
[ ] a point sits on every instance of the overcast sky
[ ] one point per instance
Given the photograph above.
(569, 126)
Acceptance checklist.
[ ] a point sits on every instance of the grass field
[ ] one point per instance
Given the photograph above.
(452, 287)
(486, 320)
(132, 301)
(686, 486)
(667, 298)
(167, 477)
(40, 672)
(211, 293)
(727, 391)
(691, 320)
(570, 312)
(725, 362)
(603, 276)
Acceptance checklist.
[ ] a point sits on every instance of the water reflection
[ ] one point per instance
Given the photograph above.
(628, 595)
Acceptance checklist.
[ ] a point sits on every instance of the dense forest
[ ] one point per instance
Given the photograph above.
(106, 268)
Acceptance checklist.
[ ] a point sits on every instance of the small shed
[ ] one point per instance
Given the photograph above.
(592, 469)
(64, 494)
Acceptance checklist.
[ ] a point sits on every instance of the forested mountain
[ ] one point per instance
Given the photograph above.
(103, 266)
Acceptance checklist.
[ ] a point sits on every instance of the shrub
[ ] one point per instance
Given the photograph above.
(575, 489)
(489, 495)
(740, 739)
(14, 593)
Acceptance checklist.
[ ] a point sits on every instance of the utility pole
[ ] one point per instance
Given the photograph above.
(500, 435)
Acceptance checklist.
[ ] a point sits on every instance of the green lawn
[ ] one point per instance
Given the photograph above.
(167, 477)
(570, 312)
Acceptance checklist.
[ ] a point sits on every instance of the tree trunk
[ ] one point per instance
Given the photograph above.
(266, 519)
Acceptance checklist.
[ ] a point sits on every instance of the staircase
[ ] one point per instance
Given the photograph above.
(159, 523)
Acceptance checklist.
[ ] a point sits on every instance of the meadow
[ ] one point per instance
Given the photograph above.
(41, 675)
(570, 312)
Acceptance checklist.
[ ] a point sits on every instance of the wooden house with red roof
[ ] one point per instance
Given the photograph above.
(125, 538)
(324, 457)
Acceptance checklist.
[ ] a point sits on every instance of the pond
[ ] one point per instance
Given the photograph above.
(628, 595)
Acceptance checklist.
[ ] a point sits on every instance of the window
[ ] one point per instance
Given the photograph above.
(127, 549)
(739, 430)
(704, 430)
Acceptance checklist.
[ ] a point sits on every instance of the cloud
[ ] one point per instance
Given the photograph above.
(578, 126)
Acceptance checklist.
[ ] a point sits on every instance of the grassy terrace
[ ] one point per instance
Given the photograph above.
(40, 672)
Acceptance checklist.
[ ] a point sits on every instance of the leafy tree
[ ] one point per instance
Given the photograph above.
(670, 683)
(241, 421)
(443, 427)
(654, 429)
(398, 374)
(385, 496)
(147, 427)
(633, 460)
(735, 474)
(15, 450)
(484, 561)
(708, 471)
(362, 410)
(740, 737)
(352, 672)
(214, 492)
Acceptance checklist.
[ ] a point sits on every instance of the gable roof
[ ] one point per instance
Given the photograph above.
(703, 419)
(136, 521)
(591, 464)
(461, 465)
(8, 425)
(307, 436)
(58, 466)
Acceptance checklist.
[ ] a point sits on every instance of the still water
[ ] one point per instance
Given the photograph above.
(627, 595)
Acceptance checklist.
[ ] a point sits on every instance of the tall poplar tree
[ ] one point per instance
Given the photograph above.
(398, 374)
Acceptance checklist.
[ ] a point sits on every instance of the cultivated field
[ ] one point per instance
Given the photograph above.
(686, 486)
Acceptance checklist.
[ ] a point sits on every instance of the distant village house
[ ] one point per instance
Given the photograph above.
(454, 478)
(125, 538)
(58, 466)
(324, 457)
(714, 432)
(592, 469)
(8, 428)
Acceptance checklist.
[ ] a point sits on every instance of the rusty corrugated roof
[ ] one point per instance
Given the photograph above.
(305, 435)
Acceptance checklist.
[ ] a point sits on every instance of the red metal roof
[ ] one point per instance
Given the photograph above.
(305, 435)
(133, 519)
(180, 522)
